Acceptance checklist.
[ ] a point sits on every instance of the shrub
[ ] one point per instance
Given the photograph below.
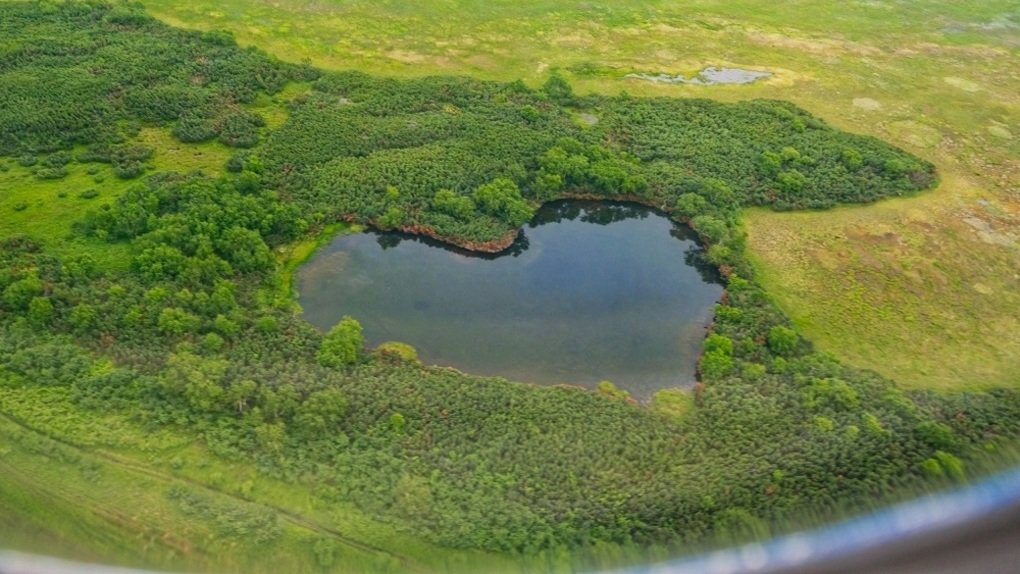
(342, 345)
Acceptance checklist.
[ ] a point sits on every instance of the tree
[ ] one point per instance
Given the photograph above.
(391, 219)
(718, 358)
(342, 345)
(711, 228)
(783, 341)
(894, 167)
(271, 437)
(83, 318)
(321, 411)
(177, 321)
(791, 180)
(399, 351)
(852, 159)
(611, 391)
(160, 262)
(715, 365)
(245, 249)
(831, 393)
(690, 205)
(397, 422)
(279, 403)
(40, 311)
(789, 154)
(212, 343)
(19, 294)
(198, 379)
(771, 162)
(448, 202)
(241, 394)
(558, 89)
(502, 198)
(716, 343)
(412, 496)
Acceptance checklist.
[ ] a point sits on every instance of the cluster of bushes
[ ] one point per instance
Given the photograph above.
(87, 73)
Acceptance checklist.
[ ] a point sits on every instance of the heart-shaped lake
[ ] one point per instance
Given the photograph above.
(590, 291)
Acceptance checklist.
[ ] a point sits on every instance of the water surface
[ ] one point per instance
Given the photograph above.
(710, 76)
(590, 291)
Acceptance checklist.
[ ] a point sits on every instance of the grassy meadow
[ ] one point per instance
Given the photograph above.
(935, 275)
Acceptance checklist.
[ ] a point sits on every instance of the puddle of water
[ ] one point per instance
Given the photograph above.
(708, 77)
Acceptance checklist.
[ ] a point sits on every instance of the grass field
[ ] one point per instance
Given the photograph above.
(934, 275)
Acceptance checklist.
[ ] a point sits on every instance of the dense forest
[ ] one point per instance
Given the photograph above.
(188, 337)
(463, 160)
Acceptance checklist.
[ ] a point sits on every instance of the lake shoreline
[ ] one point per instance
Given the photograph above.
(503, 243)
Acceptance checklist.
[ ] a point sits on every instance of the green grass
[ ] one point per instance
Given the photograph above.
(932, 77)
(46, 209)
(290, 257)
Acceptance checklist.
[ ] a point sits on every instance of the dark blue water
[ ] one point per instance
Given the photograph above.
(591, 291)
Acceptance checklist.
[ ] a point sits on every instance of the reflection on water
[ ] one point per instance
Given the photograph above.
(589, 291)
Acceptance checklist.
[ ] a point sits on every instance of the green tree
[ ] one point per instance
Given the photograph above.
(397, 423)
(690, 205)
(83, 318)
(771, 162)
(831, 393)
(241, 394)
(609, 390)
(392, 219)
(711, 228)
(952, 465)
(177, 321)
(852, 159)
(399, 351)
(450, 203)
(791, 181)
(40, 311)
(342, 345)
(412, 497)
(715, 365)
(198, 379)
(20, 293)
(783, 341)
(558, 89)
(716, 343)
(245, 249)
(321, 411)
(212, 343)
(501, 198)
(271, 437)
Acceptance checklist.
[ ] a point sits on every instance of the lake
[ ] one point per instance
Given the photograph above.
(589, 291)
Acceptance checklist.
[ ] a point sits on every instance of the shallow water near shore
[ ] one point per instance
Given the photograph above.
(589, 291)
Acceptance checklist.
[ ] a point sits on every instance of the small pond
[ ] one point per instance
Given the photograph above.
(589, 291)
(708, 77)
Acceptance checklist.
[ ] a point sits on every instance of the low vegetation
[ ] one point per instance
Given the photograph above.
(184, 339)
